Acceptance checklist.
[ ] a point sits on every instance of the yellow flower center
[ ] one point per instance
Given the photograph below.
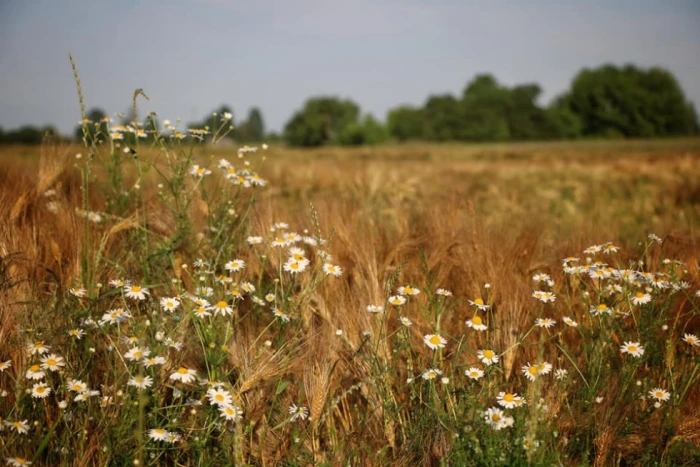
(40, 389)
(50, 362)
(602, 307)
(432, 374)
(479, 301)
(294, 266)
(221, 304)
(632, 348)
(182, 370)
(640, 295)
(435, 340)
(509, 397)
(495, 417)
(476, 321)
(34, 368)
(219, 397)
(77, 387)
(136, 289)
(138, 354)
(532, 370)
(659, 394)
(488, 354)
(160, 431)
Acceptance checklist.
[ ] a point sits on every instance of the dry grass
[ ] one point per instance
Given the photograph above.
(478, 214)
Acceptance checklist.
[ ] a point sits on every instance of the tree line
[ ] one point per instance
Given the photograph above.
(604, 102)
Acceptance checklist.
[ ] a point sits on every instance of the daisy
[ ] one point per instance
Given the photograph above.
(169, 304)
(541, 277)
(375, 309)
(297, 253)
(610, 248)
(76, 385)
(38, 348)
(331, 269)
(235, 265)
(641, 298)
(496, 419)
(141, 382)
(432, 373)
(632, 348)
(691, 339)
(76, 333)
(298, 412)
(593, 249)
(476, 323)
(434, 341)
(186, 375)
(474, 373)
(601, 309)
(258, 300)
(292, 237)
(405, 321)
(293, 266)
(659, 394)
(487, 356)
(570, 322)
(221, 307)
(545, 368)
(531, 372)
(40, 390)
(137, 353)
(201, 312)
(408, 290)
(507, 399)
(34, 372)
(158, 434)
(18, 461)
(543, 296)
(78, 291)
(560, 374)
(20, 427)
(52, 362)
(219, 397)
(279, 242)
(247, 287)
(281, 314)
(114, 316)
(231, 412)
(198, 172)
(479, 303)
(136, 292)
(443, 292)
(149, 362)
(5, 365)
(545, 323)
(270, 297)
(254, 240)
(397, 300)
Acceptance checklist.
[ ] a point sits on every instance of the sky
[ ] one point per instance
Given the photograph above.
(191, 56)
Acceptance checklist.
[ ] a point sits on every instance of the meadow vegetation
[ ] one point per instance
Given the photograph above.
(163, 303)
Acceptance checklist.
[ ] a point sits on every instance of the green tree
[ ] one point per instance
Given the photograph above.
(444, 119)
(406, 122)
(321, 121)
(485, 106)
(369, 132)
(628, 101)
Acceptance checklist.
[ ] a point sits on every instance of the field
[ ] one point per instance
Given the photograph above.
(519, 304)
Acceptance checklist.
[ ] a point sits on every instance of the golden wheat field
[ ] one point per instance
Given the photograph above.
(519, 304)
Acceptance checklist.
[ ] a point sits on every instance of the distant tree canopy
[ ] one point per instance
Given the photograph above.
(605, 102)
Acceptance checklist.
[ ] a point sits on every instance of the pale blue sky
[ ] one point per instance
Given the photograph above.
(192, 55)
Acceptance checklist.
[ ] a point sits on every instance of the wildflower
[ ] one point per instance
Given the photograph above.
(219, 397)
(545, 323)
(570, 322)
(173, 438)
(252, 240)
(158, 434)
(137, 353)
(487, 356)
(114, 316)
(331, 269)
(654, 238)
(443, 292)
(186, 375)
(601, 309)
(541, 277)
(172, 344)
(531, 372)
(397, 300)
(140, 382)
(76, 385)
(5, 365)
(136, 292)
(434, 341)
(632, 348)
(405, 321)
(641, 298)
(298, 412)
(169, 304)
(476, 323)
(76, 333)
(292, 237)
(474, 373)
(235, 265)
(691, 339)
(40, 390)
(496, 419)
(38, 348)
(52, 362)
(258, 300)
(543, 296)
(544, 368)
(221, 307)
(560, 374)
(281, 314)
(231, 412)
(507, 399)
(247, 287)
(18, 461)
(375, 309)
(199, 172)
(34, 372)
(479, 303)
(432, 373)
(293, 266)
(408, 290)
(20, 427)
(149, 362)
(77, 291)
(659, 394)
(270, 297)
(592, 250)
(279, 242)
